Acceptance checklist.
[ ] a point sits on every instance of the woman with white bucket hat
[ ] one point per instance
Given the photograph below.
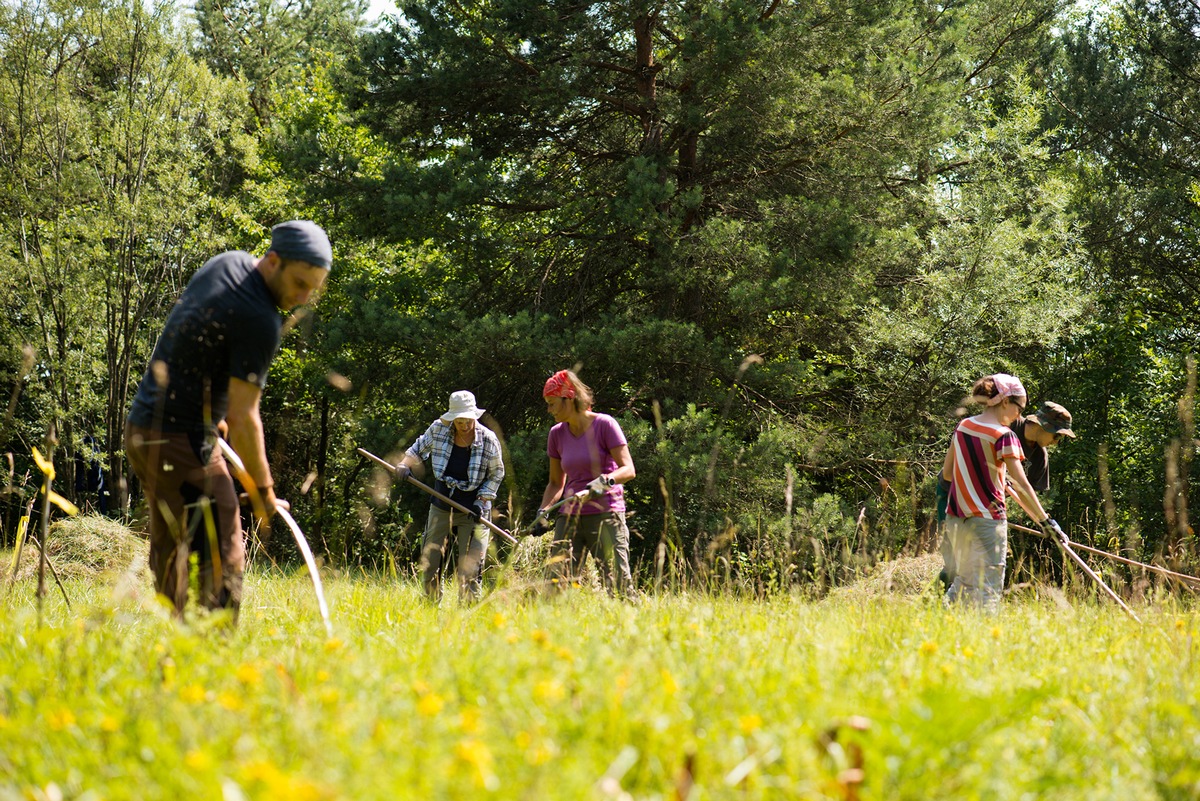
(468, 468)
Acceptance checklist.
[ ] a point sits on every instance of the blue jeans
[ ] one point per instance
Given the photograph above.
(978, 548)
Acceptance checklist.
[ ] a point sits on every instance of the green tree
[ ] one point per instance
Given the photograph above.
(1123, 80)
(111, 136)
(267, 43)
(661, 191)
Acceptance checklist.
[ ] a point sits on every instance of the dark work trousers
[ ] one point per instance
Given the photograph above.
(193, 507)
(452, 529)
(606, 537)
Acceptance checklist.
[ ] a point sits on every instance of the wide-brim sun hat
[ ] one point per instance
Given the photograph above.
(462, 404)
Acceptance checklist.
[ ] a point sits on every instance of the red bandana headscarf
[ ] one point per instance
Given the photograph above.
(558, 386)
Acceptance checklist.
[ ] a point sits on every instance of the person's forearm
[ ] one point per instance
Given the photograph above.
(1028, 498)
(490, 487)
(622, 474)
(550, 495)
(246, 437)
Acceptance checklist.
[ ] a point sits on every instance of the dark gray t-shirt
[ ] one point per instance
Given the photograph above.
(225, 324)
(1037, 459)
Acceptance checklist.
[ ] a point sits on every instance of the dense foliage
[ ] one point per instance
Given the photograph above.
(779, 240)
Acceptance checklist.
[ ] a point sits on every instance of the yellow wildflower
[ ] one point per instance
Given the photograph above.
(549, 691)
(750, 723)
(229, 701)
(249, 674)
(197, 760)
(44, 464)
(499, 620)
(478, 756)
(277, 784)
(928, 648)
(192, 694)
(63, 503)
(430, 704)
(471, 720)
(333, 644)
(670, 686)
(60, 719)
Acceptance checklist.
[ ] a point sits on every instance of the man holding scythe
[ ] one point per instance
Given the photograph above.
(210, 364)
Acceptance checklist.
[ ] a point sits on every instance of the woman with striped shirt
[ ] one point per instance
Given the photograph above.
(984, 459)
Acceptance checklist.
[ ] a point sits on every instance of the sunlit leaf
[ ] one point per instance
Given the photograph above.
(46, 466)
(63, 503)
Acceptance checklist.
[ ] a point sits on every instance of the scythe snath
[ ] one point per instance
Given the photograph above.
(243, 476)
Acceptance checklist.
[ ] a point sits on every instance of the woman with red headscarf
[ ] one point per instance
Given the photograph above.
(588, 451)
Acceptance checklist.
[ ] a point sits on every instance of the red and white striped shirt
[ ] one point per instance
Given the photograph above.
(978, 472)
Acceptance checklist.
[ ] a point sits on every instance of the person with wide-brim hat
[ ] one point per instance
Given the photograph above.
(467, 467)
(1040, 432)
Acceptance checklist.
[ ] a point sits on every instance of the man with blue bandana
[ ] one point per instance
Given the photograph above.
(210, 364)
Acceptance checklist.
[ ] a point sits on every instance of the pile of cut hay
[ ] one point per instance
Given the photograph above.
(906, 576)
(85, 547)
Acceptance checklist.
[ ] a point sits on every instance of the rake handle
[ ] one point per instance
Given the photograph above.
(1065, 545)
(421, 485)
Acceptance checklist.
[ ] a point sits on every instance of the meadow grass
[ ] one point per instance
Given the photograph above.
(577, 696)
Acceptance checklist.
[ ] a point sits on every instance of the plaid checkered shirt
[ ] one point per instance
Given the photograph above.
(485, 469)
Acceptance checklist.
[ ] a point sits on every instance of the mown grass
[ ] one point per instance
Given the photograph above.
(581, 697)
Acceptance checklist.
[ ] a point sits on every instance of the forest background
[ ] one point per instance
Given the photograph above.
(780, 240)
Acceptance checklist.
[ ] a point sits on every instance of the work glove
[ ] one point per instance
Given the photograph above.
(402, 472)
(1051, 529)
(600, 485)
(481, 510)
(541, 524)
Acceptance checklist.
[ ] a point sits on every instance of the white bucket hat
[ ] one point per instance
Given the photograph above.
(462, 404)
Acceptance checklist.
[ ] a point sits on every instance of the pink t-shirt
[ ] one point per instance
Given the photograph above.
(586, 457)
